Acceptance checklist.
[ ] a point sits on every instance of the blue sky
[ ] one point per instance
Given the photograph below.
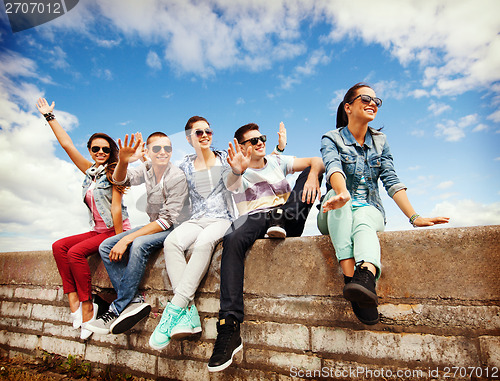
(126, 66)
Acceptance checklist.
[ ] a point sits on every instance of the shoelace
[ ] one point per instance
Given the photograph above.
(165, 321)
(108, 316)
(223, 337)
(364, 275)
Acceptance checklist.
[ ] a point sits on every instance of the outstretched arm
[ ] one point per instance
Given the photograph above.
(337, 182)
(401, 199)
(312, 186)
(281, 140)
(127, 154)
(62, 137)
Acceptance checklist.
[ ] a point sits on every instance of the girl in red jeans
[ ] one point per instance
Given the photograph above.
(107, 214)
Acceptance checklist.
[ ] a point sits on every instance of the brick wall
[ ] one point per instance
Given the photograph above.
(439, 295)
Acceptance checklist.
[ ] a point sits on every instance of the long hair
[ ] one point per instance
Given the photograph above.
(342, 119)
(112, 159)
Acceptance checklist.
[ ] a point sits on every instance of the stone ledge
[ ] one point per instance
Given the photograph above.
(433, 264)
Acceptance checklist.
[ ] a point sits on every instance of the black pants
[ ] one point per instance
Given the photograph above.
(241, 236)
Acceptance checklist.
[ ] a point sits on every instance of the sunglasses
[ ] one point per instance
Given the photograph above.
(199, 133)
(254, 141)
(96, 149)
(157, 149)
(366, 99)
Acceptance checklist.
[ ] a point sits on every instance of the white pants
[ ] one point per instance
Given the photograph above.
(203, 234)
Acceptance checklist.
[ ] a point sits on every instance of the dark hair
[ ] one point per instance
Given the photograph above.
(193, 120)
(112, 159)
(238, 135)
(342, 119)
(157, 134)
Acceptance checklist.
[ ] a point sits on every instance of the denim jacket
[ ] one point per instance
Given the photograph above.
(219, 203)
(103, 193)
(342, 153)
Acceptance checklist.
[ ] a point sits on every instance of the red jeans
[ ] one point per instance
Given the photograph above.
(71, 255)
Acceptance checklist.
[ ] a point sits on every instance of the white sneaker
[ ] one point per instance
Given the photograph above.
(85, 333)
(76, 317)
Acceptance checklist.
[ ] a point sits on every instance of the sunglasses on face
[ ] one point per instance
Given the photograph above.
(96, 149)
(157, 149)
(199, 133)
(366, 99)
(255, 141)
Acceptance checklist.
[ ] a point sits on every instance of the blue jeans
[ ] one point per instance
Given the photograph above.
(126, 274)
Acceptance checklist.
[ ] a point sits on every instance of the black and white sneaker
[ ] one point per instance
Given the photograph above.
(130, 316)
(227, 344)
(361, 289)
(277, 225)
(369, 315)
(102, 325)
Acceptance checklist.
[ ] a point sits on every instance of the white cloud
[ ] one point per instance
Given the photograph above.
(153, 61)
(468, 213)
(318, 57)
(240, 101)
(445, 185)
(480, 127)
(438, 108)
(452, 130)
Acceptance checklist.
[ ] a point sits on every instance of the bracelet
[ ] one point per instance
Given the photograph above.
(237, 174)
(279, 150)
(49, 116)
(413, 218)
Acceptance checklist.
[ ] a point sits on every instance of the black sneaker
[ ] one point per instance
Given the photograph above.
(130, 316)
(361, 288)
(277, 225)
(368, 316)
(227, 344)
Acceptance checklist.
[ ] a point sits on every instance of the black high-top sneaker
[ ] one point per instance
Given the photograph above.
(361, 288)
(277, 225)
(227, 344)
(368, 316)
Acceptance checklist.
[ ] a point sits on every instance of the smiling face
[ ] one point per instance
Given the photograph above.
(360, 111)
(259, 149)
(100, 157)
(198, 137)
(161, 157)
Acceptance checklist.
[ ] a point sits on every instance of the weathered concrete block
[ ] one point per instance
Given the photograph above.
(6, 292)
(21, 324)
(100, 355)
(61, 346)
(52, 313)
(429, 349)
(183, 370)
(290, 336)
(18, 340)
(61, 330)
(138, 361)
(39, 294)
(280, 361)
(490, 350)
(16, 309)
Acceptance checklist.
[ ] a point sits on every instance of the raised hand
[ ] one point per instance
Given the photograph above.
(140, 153)
(128, 151)
(238, 159)
(44, 107)
(282, 136)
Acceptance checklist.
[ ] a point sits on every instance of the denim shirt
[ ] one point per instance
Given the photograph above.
(219, 203)
(103, 193)
(342, 153)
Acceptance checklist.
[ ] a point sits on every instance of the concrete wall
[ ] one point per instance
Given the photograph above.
(439, 295)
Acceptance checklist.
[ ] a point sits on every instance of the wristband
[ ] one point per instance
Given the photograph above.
(279, 150)
(237, 174)
(49, 116)
(413, 218)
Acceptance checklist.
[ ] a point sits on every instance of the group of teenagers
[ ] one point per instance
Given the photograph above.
(237, 196)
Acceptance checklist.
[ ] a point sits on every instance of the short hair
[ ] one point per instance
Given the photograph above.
(193, 120)
(157, 134)
(238, 135)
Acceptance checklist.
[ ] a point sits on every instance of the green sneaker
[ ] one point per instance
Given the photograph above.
(188, 324)
(161, 335)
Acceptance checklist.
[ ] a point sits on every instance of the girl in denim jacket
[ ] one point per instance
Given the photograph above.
(356, 156)
(108, 216)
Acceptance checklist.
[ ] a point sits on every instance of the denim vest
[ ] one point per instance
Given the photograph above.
(103, 192)
(342, 153)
